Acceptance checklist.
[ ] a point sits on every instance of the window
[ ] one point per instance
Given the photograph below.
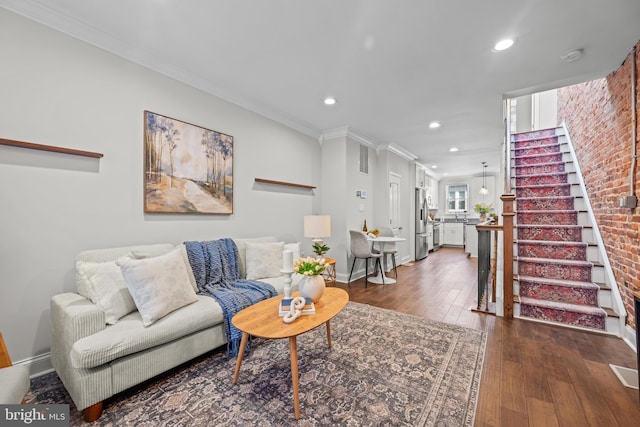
(457, 195)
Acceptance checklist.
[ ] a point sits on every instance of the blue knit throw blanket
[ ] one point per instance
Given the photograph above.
(215, 267)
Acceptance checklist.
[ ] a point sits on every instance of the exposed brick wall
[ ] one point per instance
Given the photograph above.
(598, 117)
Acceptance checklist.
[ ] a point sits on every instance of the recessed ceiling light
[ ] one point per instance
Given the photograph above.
(329, 101)
(434, 125)
(453, 149)
(434, 167)
(503, 44)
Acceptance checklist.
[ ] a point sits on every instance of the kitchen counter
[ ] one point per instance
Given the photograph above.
(472, 221)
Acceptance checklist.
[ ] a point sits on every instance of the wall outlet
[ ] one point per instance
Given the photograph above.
(629, 202)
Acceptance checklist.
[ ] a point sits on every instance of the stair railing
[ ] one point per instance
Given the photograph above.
(487, 269)
(487, 264)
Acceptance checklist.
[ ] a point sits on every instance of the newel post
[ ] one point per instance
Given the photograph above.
(507, 244)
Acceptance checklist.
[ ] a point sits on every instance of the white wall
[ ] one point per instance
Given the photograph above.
(56, 90)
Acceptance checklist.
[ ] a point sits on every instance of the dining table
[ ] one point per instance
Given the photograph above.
(382, 278)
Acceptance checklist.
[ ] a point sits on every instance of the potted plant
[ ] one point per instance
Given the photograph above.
(312, 284)
(320, 248)
(483, 209)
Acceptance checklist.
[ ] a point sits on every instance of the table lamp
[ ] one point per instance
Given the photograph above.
(317, 227)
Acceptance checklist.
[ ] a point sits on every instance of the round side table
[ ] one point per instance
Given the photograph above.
(329, 273)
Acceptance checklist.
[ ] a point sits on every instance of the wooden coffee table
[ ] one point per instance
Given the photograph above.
(262, 320)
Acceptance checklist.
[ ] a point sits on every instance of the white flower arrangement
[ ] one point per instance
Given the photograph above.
(309, 266)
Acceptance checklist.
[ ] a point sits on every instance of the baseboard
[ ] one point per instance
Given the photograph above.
(629, 336)
(37, 365)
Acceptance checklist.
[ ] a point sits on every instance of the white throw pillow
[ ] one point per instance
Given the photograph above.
(264, 260)
(158, 285)
(241, 244)
(295, 248)
(106, 288)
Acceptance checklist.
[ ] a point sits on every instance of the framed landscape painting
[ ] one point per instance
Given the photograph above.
(187, 168)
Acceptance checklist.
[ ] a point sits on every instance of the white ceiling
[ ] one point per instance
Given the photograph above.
(394, 66)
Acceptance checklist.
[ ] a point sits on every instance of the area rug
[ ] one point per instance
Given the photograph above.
(384, 368)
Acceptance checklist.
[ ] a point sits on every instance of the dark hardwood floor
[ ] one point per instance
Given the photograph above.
(534, 374)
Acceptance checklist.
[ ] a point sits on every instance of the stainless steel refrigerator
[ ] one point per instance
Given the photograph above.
(422, 215)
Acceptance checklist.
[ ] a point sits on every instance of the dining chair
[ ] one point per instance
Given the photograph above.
(389, 248)
(360, 249)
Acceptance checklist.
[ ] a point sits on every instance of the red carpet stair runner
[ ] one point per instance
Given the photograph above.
(554, 276)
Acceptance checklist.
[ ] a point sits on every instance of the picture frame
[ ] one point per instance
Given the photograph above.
(187, 168)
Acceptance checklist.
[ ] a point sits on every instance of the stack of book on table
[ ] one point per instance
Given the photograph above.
(285, 305)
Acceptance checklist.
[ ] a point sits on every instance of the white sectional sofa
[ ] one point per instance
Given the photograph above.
(95, 359)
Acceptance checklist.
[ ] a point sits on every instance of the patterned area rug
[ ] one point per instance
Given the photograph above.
(384, 368)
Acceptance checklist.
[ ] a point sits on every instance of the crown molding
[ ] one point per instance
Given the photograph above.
(345, 132)
(431, 173)
(399, 151)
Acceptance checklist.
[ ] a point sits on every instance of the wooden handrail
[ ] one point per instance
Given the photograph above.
(51, 148)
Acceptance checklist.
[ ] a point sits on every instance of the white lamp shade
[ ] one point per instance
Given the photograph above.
(317, 226)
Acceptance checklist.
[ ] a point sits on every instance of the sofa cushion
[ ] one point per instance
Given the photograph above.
(112, 254)
(104, 286)
(295, 248)
(158, 285)
(130, 336)
(153, 251)
(242, 251)
(264, 260)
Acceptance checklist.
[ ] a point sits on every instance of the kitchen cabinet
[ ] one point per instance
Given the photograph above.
(433, 192)
(453, 233)
(420, 177)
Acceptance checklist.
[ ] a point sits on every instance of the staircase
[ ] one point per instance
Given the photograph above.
(559, 274)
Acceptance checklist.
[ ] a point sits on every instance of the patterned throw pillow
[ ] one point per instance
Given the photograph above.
(264, 260)
(158, 285)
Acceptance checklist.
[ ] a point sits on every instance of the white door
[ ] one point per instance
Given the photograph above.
(394, 203)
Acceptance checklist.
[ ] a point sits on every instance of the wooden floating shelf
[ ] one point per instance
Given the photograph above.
(290, 184)
(51, 148)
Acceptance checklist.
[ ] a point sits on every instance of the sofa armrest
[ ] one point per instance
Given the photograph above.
(72, 317)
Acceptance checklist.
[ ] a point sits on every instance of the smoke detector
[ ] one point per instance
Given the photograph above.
(572, 55)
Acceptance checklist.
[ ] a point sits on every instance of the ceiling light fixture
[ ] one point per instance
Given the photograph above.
(484, 191)
(503, 44)
(329, 101)
(572, 55)
(453, 149)
(434, 125)
(434, 167)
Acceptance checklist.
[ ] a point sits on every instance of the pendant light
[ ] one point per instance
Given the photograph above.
(484, 191)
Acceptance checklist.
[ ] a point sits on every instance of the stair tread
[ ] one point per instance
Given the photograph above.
(553, 225)
(555, 261)
(559, 282)
(552, 242)
(542, 197)
(585, 309)
(562, 184)
(548, 210)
